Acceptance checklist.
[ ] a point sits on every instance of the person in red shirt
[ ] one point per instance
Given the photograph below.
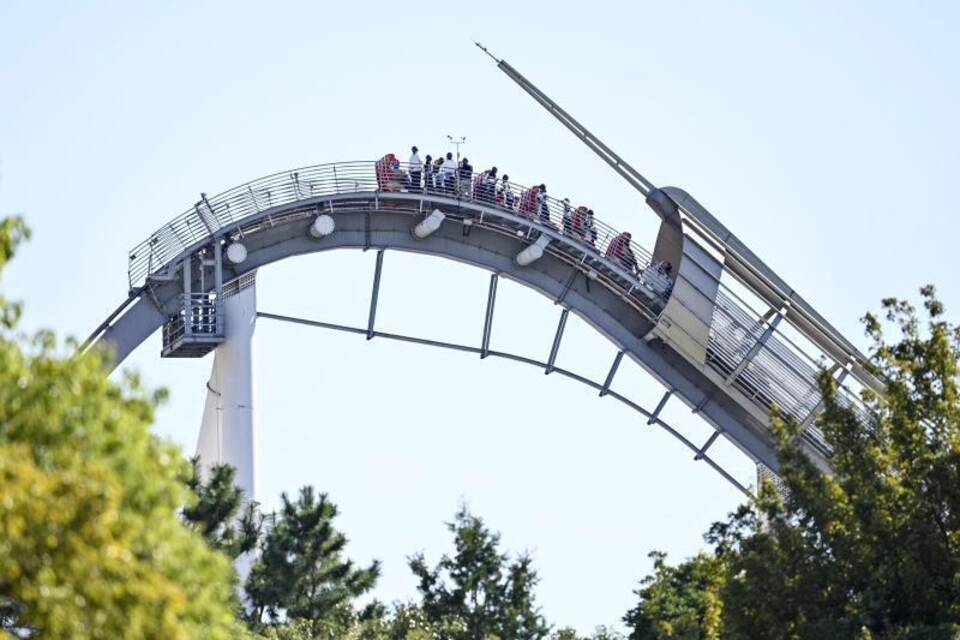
(620, 252)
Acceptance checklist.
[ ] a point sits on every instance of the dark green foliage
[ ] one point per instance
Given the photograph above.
(214, 512)
(301, 572)
(873, 549)
(679, 602)
(480, 587)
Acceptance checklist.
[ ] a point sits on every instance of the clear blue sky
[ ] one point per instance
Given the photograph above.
(824, 133)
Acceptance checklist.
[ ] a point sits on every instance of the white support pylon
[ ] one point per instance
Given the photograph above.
(228, 432)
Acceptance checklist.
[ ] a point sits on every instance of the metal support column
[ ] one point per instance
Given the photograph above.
(611, 373)
(218, 285)
(488, 319)
(375, 294)
(660, 406)
(556, 341)
(228, 429)
(187, 295)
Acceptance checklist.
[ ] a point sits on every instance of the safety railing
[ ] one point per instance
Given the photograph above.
(211, 215)
(770, 371)
(198, 316)
(777, 372)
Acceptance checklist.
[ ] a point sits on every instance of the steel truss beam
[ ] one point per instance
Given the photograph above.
(613, 371)
(488, 318)
(706, 445)
(660, 405)
(374, 295)
(555, 349)
(652, 417)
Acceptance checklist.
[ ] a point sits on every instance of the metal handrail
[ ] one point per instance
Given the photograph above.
(211, 215)
(777, 374)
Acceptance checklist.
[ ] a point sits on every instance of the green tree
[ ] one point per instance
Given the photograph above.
(215, 511)
(600, 633)
(480, 587)
(90, 542)
(681, 602)
(873, 549)
(301, 572)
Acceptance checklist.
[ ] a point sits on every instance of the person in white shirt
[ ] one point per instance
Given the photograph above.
(448, 172)
(415, 167)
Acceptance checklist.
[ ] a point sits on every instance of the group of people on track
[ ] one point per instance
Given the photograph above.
(445, 175)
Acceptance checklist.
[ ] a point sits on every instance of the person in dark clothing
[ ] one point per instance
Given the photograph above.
(428, 171)
(543, 208)
(466, 177)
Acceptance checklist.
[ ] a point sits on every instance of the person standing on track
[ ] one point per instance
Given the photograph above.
(415, 167)
(620, 252)
(448, 173)
(465, 175)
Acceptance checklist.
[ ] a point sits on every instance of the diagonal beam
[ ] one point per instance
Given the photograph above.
(703, 450)
(755, 349)
(613, 371)
(374, 295)
(660, 405)
(556, 341)
(488, 318)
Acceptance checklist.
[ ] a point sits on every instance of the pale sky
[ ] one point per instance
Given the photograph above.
(823, 133)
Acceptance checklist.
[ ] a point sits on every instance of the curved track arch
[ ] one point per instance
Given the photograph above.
(652, 416)
(272, 216)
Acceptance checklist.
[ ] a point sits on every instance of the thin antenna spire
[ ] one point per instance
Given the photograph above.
(487, 51)
(631, 175)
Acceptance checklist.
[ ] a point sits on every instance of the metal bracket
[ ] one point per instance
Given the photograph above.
(567, 286)
(152, 296)
(366, 231)
(700, 405)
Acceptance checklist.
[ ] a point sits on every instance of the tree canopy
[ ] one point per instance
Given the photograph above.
(90, 542)
(301, 572)
(871, 550)
(680, 602)
(480, 587)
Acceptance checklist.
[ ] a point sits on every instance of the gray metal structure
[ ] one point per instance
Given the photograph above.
(180, 275)
(721, 332)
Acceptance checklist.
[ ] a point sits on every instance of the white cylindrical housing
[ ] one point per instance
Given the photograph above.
(534, 252)
(236, 253)
(228, 430)
(429, 224)
(322, 226)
